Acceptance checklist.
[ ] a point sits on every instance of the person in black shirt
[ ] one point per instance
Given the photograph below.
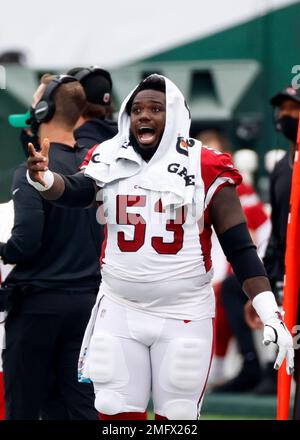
(57, 272)
(94, 125)
(286, 105)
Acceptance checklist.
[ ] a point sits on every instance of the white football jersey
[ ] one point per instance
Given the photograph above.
(156, 259)
(159, 261)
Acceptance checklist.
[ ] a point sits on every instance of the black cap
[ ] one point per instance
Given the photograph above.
(97, 83)
(287, 93)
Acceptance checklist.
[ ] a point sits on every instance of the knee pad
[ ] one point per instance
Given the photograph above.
(181, 410)
(109, 402)
(185, 364)
(101, 357)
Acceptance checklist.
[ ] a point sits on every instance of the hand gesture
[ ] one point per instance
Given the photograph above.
(38, 161)
(276, 331)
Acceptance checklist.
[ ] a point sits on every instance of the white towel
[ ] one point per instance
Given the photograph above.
(174, 171)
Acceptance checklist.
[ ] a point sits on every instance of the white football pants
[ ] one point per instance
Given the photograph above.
(133, 354)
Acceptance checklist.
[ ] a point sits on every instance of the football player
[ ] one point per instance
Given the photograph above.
(160, 193)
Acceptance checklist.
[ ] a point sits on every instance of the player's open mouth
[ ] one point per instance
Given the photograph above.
(146, 135)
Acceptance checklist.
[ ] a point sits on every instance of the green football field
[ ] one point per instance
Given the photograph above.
(220, 417)
(244, 406)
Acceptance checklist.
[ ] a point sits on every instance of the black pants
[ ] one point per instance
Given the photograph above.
(43, 338)
(53, 407)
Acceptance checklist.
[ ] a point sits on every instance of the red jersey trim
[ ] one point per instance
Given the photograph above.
(88, 158)
(103, 246)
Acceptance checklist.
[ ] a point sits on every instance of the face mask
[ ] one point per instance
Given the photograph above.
(289, 127)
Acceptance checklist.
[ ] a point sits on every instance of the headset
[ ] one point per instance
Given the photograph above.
(45, 108)
(83, 73)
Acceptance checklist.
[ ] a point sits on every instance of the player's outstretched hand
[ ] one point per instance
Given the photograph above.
(276, 331)
(37, 162)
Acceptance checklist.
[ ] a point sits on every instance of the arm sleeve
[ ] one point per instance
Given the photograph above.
(79, 192)
(27, 231)
(241, 253)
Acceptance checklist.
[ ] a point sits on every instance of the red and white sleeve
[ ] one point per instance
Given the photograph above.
(87, 158)
(217, 170)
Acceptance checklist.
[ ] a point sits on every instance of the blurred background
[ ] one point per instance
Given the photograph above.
(228, 58)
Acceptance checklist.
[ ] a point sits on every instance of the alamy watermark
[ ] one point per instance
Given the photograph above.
(296, 336)
(138, 209)
(2, 78)
(296, 79)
